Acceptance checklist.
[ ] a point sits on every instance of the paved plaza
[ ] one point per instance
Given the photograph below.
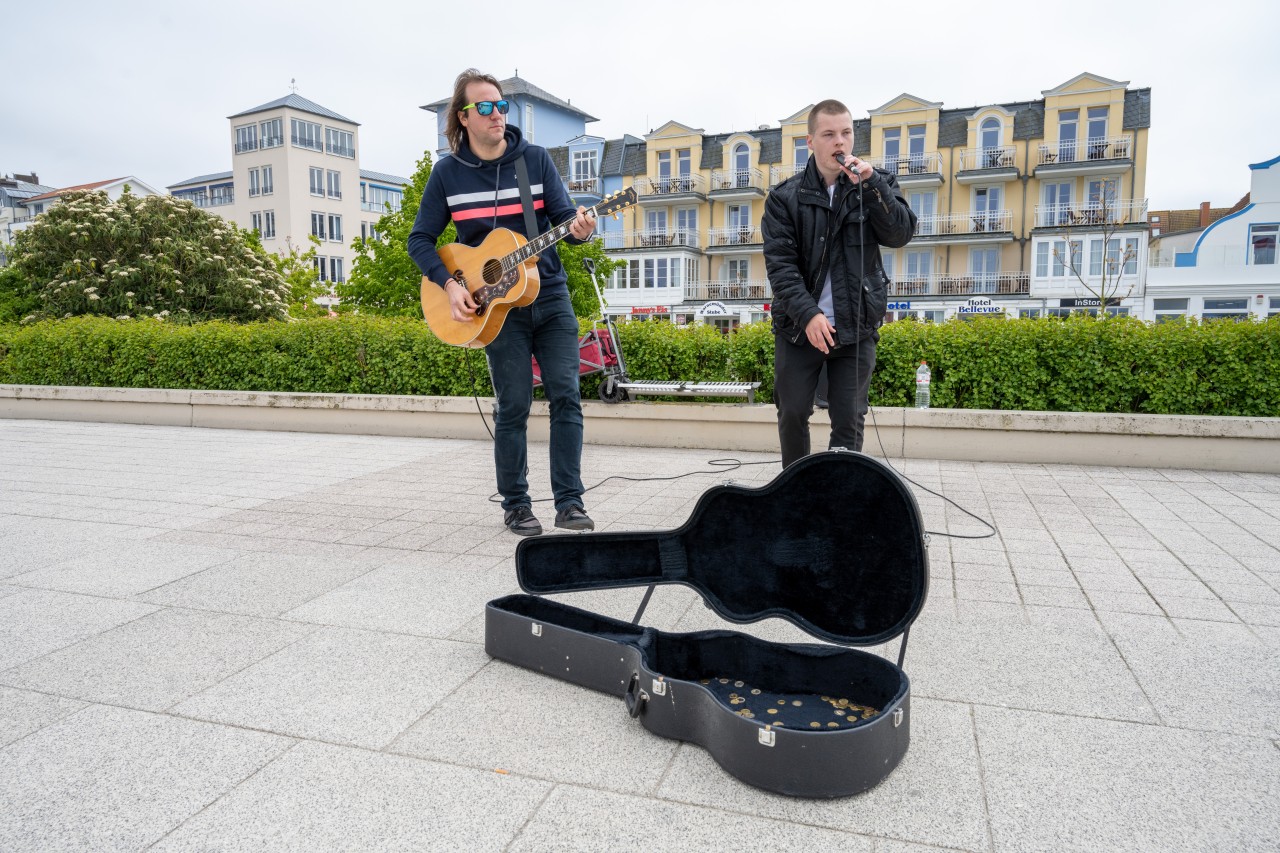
(235, 640)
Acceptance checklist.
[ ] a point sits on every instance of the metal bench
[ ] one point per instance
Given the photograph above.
(656, 388)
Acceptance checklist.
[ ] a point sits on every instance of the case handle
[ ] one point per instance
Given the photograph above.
(635, 697)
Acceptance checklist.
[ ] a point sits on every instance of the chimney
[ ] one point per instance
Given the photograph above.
(1204, 214)
(31, 179)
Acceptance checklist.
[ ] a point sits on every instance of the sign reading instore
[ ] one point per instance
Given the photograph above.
(979, 306)
(1086, 302)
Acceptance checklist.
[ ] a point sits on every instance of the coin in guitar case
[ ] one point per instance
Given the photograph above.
(815, 725)
(755, 691)
(737, 684)
(772, 710)
(833, 725)
(796, 702)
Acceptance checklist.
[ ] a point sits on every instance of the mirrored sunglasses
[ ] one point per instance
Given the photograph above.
(485, 108)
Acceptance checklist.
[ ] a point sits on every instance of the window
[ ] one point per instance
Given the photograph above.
(989, 137)
(255, 222)
(584, 170)
(317, 181)
(268, 224)
(1057, 204)
(1130, 257)
(1226, 309)
(335, 228)
(1169, 309)
(923, 204)
(656, 225)
(321, 265)
(268, 185)
(335, 270)
(892, 148)
(886, 261)
(317, 225)
(339, 142)
(737, 269)
(687, 226)
(986, 209)
(272, 133)
(246, 138)
(1262, 244)
(741, 164)
(738, 217)
(1052, 260)
(1068, 121)
(255, 183)
(915, 147)
(333, 180)
(984, 267)
(1097, 130)
(919, 265)
(305, 134)
(1104, 199)
(380, 199)
(655, 272)
(221, 194)
(684, 166)
(528, 122)
(664, 171)
(801, 158)
(628, 275)
(1275, 306)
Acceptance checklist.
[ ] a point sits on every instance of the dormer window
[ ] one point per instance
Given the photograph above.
(741, 164)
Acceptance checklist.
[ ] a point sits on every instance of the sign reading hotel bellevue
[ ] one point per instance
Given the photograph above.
(978, 305)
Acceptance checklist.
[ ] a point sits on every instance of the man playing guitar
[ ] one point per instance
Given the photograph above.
(477, 189)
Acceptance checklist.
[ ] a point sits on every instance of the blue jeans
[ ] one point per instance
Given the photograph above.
(547, 330)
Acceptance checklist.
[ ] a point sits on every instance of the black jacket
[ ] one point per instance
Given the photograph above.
(805, 234)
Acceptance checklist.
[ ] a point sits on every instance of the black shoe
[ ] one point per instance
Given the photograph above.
(522, 522)
(574, 518)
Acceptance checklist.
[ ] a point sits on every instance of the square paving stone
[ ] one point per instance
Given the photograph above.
(23, 712)
(340, 685)
(258, 584)
(115, 779)
(1058, 783)
(122, 568)
(547, 728)
(35, 622)
(586, 820)
(933, 797)
(158, 660)
(322, 797)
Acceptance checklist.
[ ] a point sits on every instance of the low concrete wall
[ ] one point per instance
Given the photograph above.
(1155, 441)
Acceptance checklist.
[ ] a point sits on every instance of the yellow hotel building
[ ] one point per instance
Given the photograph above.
(1001, 192)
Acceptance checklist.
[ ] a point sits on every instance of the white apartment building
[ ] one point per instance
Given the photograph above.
(296, 173)
(1231, 268)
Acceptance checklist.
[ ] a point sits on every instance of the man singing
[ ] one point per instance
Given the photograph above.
(477, 188)
(823, 229)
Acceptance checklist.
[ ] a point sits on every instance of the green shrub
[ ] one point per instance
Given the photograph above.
(1076, 364)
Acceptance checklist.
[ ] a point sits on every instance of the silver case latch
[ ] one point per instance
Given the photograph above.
(767, 736)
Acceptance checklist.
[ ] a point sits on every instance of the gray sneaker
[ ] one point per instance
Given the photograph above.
(574, 518)
(522, 522)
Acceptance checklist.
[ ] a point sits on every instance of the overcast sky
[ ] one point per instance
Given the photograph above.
(102, 90)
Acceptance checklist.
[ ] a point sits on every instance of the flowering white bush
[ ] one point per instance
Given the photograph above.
(139, 256)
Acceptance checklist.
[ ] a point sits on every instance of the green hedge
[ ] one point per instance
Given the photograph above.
(1078, 364)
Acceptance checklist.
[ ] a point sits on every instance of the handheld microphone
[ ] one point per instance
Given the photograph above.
(840, 158)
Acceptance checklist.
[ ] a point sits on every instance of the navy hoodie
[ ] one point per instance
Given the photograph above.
(481, 195)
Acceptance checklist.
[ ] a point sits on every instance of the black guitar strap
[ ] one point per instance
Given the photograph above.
(526, 199)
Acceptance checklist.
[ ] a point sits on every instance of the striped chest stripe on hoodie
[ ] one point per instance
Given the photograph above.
(487, 204)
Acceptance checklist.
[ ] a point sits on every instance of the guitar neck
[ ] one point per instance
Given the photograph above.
(538, 245)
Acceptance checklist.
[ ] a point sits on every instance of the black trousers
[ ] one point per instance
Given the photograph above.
(795, 377)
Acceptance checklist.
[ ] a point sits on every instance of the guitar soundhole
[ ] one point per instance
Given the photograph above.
(492, 271)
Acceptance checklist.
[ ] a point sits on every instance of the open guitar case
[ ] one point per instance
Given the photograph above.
(834, 544)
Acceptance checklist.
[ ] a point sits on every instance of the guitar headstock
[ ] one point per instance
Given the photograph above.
(620, 200)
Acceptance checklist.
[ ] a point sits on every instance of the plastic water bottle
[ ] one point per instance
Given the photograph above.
(922, 385)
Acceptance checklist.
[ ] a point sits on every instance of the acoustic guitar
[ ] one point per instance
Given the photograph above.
(501, 273)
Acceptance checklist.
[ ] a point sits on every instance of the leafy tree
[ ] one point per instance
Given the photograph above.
(302, 284)
(384, 279)
(155, 256)
(581, 291)
(17, 299)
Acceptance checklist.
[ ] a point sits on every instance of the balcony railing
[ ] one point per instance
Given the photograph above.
(650, 239)
(909, 164)
(1001, 157)
(747, 288)
(737, 179)
(583, 185)
(1108, 148)
(242, 147)
(778, 174)
(303, 142)
(219, 200)
(380, 206)
(939, 224)
(742, 236)
(1116, 213)
(939, 284)
(341, 151)
(272, 141)
(676, 184)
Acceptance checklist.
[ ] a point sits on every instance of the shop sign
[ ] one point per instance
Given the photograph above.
(979, 306)
(713, 309)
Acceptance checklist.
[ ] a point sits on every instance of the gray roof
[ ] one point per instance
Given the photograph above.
(560, 156)
(202, 179)
(611, 162)
(384, 178)
(23, 189)
(770, 147)
(862, 137)
(1137, 108)
(633, 156)
(513, 86)
(953, 127)
(295, 101)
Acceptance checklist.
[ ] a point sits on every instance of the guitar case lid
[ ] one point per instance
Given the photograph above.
(833, 544)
